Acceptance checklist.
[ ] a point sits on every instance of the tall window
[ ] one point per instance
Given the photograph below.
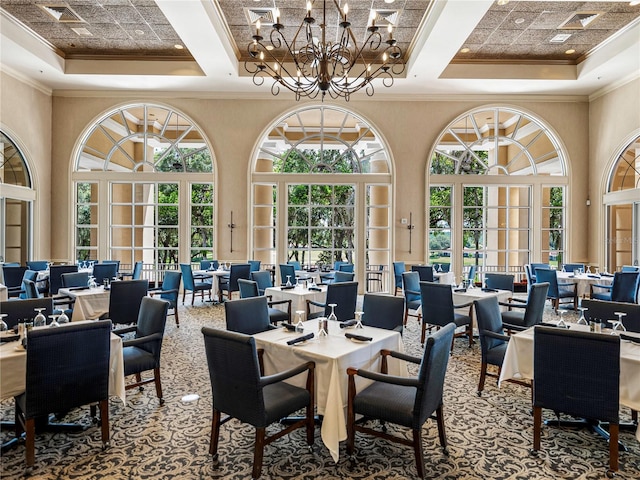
(485, 171)
(144, 178)
(329, 172)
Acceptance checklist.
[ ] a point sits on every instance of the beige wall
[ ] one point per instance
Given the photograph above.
(25, 115)
(613, 119)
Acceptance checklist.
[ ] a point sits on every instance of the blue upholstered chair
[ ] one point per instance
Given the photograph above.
(528, 313)
(439, 310)
(248, 315)
(190, 284)
(226, 286)
(412, 301)
(296, 264)
(383, 311)
(624, 288)
(250, 289)
(398, 269)
(263, 279)
(571, 267)
(425, 272)
(169, 291)
(287, 271)
(558, 291)
(344, 295)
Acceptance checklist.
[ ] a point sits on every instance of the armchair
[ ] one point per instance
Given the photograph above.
(602, 310)
(558, 291)
(190, 284)
(241, 391)
(287, 271)
(263, 279)
(344, 295)
(531, 311)
(624, 288)
(412, 301)
(499, 281)
(570, 267)
(75, 279)
(55, 276)
(37, 265)
(398, 270)
(296, 264)
(254, 265)
(12, 278)
(383, 311)
(230, 284)
(438, 310)
(425, 272)
(105, 270)
(341, 276)
(249, 289)
(16, 310)
(408, 402)
(169, 291)
(142, 353)
(125, 302)
(31, 292)
(248, 315)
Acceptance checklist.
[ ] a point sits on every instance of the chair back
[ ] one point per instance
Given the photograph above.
(625, 287)
(625, 268)
(187, 276)
(247, 315)
(171, 283)
(125, 299)
(67, 367)
(295, 263)
(341, 276)
(383, 311)
(17, 309)
(287, 270)
(55, 276)
(345, 267)
(561, 360)
(437, 303)
(570, 267)
(248, 288)
(32, 276)
(602, 310)
(75, 279)
(263, 279)
(37, 265)
(254, 265)
(30, 289)
(425, 272)
(104, 270)
(234, 373)
(501, 281)
(137, 270)
(13, 275)
(535, 304)
(238, 271)
(337, 263)
(398, 270)
(411, 283)
(152, 319)
(489, 319)
(345, 296)
(537, 266)
(209, 264)
(433, 369)
(471, 274)
(550, 277)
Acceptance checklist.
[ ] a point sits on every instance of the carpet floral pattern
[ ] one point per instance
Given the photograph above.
(489, 436)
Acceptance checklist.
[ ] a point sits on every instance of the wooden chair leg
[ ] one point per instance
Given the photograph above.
(30, 444)
(193, 297)
(104, 420)
(184, 294)
(423, 334)
(614, 435)
(258, 452)
(417, 448)
(156, 378)
(175, 312)
(441, 431)
(537, 425)
(483, 375)
(215, 433)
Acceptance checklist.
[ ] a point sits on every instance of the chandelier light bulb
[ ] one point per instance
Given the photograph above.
(277, 15)
(258, 28)
(345, 10)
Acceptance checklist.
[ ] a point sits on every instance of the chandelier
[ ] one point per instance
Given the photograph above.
(308, 65)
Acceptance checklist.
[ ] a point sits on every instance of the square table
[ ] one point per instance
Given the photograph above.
(214, 275)
(298, 296)
(518, 364)
(333, 355)
(90, 303)
(13, 365)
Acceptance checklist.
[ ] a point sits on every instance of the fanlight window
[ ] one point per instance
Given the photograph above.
(13, 168)
(626, 173)
(497, 141)
(146, 138)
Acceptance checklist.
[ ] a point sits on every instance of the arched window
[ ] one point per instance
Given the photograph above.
(16, 203)
(328, 171)
(622, 201)
(143, 175)
(497, 188)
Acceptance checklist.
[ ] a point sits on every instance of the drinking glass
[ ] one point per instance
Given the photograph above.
(359, 315)
(582, 320)
(3, 325)
(617, 325)
(63, 318)
(299, 324)
(332, 315)
(588, 269)
(322, 327)
(92, 282)
(288, 280)
(562, 323)
(54, 320)
(40, 320)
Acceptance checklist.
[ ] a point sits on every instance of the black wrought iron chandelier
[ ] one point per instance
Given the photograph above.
(308, 65)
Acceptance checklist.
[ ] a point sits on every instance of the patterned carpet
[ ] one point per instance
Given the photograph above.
(489, 436)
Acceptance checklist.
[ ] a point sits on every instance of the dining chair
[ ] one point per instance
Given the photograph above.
(254, 265)
(136, 273)
(471, 274)
(571, 267)
(412, 300)
(230, 285)
(287, 273)
(408, 402)
(191, 285)
(499, 281)
(296, 264)
(345, 267)
(344, 295)
(601, 311)
(625, 268)
(142, 353)
(425, 272)
(624, 288)
(340, 277)
(398, 269)
(37, 265)
(249, 289)
(55, 276)
(438, 310)
(18, 310)
(12, 276)
(248, 315)
(529, 313)
(75, 279)
(209, 264)
(30, 275)
(263, 279)
(537, 266)
(239, 390)
(125, 300)
(31, 292)
(374, 277)
(67, 367)
(104, 270)
(561, 357)
(383, 311)
(558, 291)
(169, 292)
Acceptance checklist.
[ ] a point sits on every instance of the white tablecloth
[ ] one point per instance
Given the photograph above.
(518, 364)
(90, 304)
(4, 293)
(215, 277)
(584, 282)
(298, 297)
(13, 365)
(332, 355)
(445, 277)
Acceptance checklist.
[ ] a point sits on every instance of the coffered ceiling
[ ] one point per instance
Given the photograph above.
(450, 46)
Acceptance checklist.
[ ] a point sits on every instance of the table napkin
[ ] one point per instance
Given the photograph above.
(489, 290)
(315, 289)
(593, 276)
(78, 288)
(284, 287)
(308, 336)
(606, 275)
(288, 326)
(358, 337)
(629, 338)
(348, 323)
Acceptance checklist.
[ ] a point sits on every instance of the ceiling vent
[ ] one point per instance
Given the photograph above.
(82, 32)
(580, 20)
(62, 13)
(386, 17)
(266, 16)
(560, 38)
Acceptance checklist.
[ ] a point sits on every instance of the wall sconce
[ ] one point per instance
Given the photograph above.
(410, 226)
(588, 202)
(231, 227)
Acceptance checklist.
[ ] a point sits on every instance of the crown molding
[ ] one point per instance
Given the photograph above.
(614, 86)
(26, 80)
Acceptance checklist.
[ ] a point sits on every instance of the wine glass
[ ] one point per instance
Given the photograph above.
(582, 320)
(63, 318)
(562, 323)
(3, 325)
(359, 315)
(299, 324)
(92, 282)
(322, 327)
(54, 320)
(588, 269)
(617, 325)
(288, 280)
(40, 320)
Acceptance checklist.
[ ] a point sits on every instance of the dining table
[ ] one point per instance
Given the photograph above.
(332, 354)
(4, 293)
(89, 303)
(518, 364)
(214, 275)
(298, 295)
(584, 281)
